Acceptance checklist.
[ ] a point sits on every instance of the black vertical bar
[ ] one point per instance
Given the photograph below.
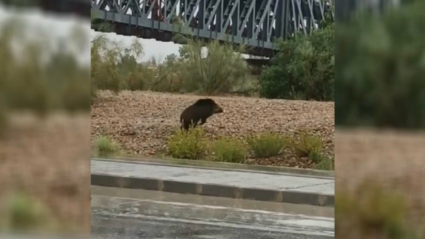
(286, 17)
(250, 25)
(219, 20)
(279, 18)
(235, 18)
(201, 14)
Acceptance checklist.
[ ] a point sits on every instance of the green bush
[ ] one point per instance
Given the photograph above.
(195, 145)
(303, 69)
(105, 146)
(3, 120)
(188, 145)
(229, 150)
(372, 212)
(25, 84)
(322, 162)
(165, 77)
(306, 145)
(218, 72)
(267, 144)
(116, 68)
(23, 213)
(380, 69)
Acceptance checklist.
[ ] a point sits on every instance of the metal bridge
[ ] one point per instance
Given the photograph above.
(254, 23)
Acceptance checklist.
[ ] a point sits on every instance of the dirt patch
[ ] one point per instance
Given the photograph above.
(395, 159)
(48, 159)
(142, 121)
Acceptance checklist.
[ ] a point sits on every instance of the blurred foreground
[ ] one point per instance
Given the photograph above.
(44, 124)
(379, 184)
(379, 169)
(132, 213)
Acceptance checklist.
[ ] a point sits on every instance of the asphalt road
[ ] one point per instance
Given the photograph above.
(118, 213)
(166, 228)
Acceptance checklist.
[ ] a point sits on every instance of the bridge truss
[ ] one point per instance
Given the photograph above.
(255, 23)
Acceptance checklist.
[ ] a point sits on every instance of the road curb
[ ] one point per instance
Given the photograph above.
(295, 197)
(225, 166)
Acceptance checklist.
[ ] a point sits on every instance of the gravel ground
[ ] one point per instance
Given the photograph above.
(142, 121)
(394, 159)
(49, 160)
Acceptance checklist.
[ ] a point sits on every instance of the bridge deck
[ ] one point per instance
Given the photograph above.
(254, 23)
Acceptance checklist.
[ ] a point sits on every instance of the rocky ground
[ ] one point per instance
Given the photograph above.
(49, 161)
(142, 121)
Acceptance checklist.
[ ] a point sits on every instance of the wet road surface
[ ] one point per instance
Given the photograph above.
(126, 213)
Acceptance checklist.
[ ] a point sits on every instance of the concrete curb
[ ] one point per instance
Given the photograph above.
(295, 197)
(224, 166)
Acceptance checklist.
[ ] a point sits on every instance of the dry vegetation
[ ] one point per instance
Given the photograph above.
(380, 173)
(141, 122)
(44, 150)
(47, 161)
(373, 160)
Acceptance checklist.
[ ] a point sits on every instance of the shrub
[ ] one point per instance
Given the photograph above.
(218, 72)
(60, 83)
(165, 77)
(116, 68)
(379, 67)
(323, 162)
(307, 146)
(22, 212)
(188, 145)
(267, 144)
(229, 150)
(105, 146)
(3, 120)
(104, 73)
(372, 211)
(303, 69)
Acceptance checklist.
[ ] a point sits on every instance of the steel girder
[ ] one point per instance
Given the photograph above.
(256, 23)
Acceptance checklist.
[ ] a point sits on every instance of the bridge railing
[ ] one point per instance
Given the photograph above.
(255, 23)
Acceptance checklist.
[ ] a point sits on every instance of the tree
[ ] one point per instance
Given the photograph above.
(217, 71)
(380, 69)
(303, 67)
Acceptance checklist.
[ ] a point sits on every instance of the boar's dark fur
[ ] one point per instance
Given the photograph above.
(199, 111)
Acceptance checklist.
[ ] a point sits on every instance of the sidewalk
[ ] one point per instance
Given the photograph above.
(278, 187)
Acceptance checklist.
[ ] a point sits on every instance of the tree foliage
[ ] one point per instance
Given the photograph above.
(381, 66)
(216, 71)
(39, 78)
(208, 68)
(116, 68)
(303, 67)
